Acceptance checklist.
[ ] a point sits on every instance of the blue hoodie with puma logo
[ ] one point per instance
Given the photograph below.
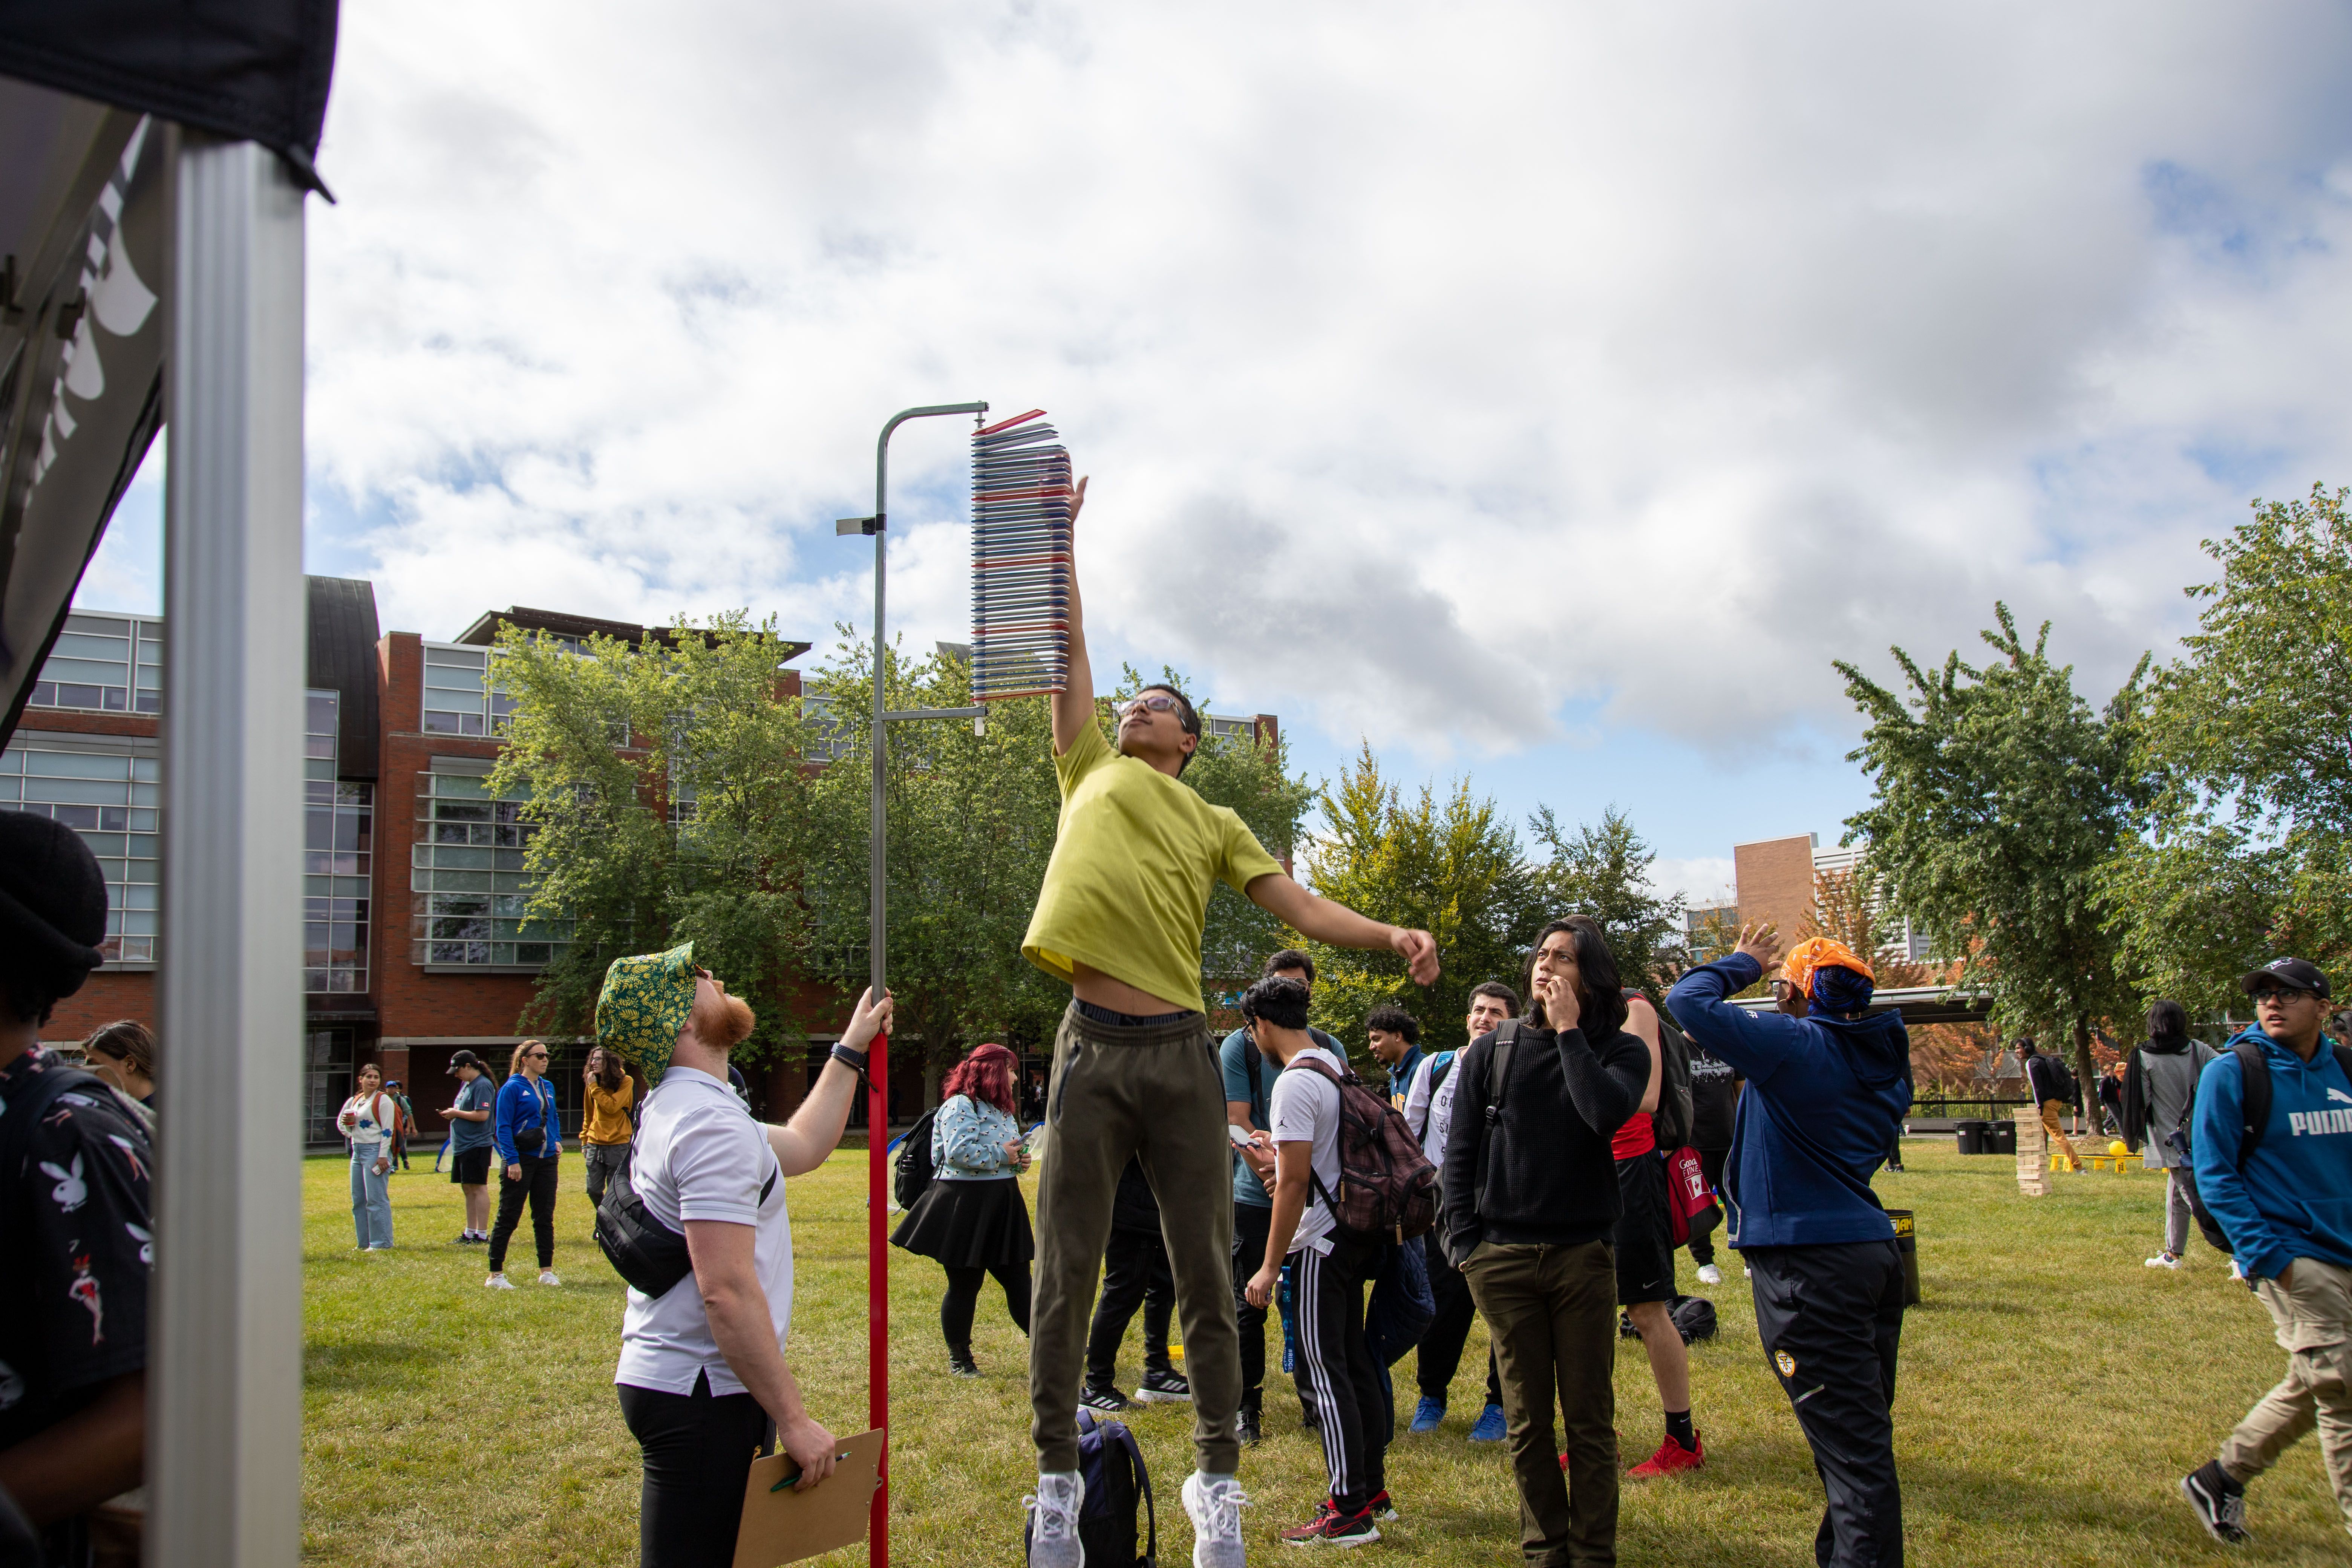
(2294, 1198)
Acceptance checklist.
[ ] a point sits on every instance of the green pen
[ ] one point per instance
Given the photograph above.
(793, 1479)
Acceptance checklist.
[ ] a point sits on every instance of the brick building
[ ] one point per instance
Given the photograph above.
(415, 940)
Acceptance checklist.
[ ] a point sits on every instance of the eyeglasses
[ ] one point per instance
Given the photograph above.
(2278, 994)
(1157, 702)
(1782, 987)
(534, 1055)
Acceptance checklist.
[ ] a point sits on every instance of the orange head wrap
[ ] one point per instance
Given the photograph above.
(1821, 953)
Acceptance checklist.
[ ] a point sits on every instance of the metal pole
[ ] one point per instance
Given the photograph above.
(224, 1388)
(878, 1089)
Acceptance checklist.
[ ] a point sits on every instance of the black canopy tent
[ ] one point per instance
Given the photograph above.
(151, 273)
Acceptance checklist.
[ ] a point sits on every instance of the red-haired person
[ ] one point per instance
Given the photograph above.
(972, 1219)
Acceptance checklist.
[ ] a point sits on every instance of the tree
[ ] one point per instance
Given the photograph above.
(1603, 871)
(1449, 866)
(1846, 908)
(2246, 850)
(1994, 807)
(666, 800)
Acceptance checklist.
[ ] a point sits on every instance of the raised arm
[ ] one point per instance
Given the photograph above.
(1074, 705)
(815, 1130)
(1312, 915)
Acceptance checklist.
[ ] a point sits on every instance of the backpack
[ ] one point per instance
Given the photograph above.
(1388, 1188)
(912, 1173)
(649, 1255)
(1693, 1317)
(1112, 1469)
(2257, 1121)
(1675, 1117)
(1401, 1306)
(1687, 1196)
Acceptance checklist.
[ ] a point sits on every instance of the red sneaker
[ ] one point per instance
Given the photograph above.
(1670, 1458)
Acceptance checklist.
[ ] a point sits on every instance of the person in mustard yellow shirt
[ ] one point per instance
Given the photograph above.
(1136, 855)
(604, 1124)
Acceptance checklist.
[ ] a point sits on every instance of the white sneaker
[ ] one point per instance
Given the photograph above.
(498, 1282)
(2164, 1261)
(1708, 1274)
(548, 1277)
(2236, 1272)
(1054, 1522)
(1215, 1509)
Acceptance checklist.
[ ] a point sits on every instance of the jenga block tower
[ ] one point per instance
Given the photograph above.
(2032, 1153)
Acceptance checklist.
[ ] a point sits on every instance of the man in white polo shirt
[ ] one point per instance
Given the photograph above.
(702, 1378)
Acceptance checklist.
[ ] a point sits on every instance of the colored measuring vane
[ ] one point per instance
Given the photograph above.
(1021, 496)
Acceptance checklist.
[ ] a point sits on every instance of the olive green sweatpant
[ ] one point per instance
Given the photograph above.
(1152, 1092)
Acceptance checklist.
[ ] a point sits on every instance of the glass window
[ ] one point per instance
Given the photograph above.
(338, 856)
(461, 694)
(468, 888)
(109, 796)
(112, 664)
(326, 1082)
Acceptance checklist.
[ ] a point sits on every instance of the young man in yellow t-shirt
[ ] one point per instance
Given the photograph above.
(1135, 856)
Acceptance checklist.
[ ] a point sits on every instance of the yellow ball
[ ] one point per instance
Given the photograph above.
(2118, 1149)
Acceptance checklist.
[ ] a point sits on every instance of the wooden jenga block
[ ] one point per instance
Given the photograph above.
(2032, 1154)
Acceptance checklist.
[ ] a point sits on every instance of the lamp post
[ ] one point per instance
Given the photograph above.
(877, 1086)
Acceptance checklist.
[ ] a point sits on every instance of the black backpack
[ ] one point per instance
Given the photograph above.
(911, 1176)
(647, 1254)
(1112, 1467)
(1673, 1121)
(2257, 1118)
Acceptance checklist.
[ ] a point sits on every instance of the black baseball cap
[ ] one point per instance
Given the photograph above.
(2295, 971)
(464, 1059)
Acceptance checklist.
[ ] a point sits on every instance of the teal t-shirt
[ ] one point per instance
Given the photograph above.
(1236, 1057)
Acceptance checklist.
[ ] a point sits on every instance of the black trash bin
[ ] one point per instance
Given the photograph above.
(1906, 1242)
(1971, 1136)
(2000, 1138)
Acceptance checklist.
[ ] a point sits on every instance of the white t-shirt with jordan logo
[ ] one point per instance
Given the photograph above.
(1304, 1108)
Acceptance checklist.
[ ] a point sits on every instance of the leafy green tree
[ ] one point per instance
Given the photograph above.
(2247, 851)
(1999, 794)
(667, 802)
(1602, 871)
(1451, 865)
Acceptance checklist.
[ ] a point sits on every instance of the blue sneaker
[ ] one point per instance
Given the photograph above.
(1488, 1428)
(1431, 1412)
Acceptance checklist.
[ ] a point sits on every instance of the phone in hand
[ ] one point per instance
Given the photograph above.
(1237, 1134)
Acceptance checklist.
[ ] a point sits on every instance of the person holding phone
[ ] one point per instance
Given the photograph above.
(367, 1119)
(527, 1138)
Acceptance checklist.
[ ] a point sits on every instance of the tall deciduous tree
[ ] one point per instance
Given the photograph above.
(2248, 848)
(1999, 793)
(1603, 870)
(1448, 865)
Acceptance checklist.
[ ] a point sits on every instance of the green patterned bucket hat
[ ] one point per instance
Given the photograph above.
(646, 1000)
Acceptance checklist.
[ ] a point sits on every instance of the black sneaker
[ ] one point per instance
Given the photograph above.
(1164, 1388)
(1245, 1430)
(1383, 1507)
(1329, 1527)
(1103, 1398)
(960, 1364)
(2222, 1513)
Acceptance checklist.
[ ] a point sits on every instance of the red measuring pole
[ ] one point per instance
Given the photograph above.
(877, 1292)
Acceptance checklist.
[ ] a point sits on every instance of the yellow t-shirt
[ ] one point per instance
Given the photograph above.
(1135, 856)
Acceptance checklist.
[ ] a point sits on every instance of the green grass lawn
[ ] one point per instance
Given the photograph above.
(2053, 1391)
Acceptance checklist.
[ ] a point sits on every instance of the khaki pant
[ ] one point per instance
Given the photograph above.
(2054, 1113)
(2314, 1318)
(1153, 1093)
(1552, 1314)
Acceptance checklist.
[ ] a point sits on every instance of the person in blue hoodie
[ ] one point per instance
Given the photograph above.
(1828, 1084)
(2286, 1206)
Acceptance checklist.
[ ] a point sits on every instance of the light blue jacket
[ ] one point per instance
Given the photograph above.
(968, 1140)
(2294, 1199)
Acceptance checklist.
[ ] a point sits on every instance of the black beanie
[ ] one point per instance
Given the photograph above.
(52, 907)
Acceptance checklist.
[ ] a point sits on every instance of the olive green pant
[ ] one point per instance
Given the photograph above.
(1551, 1312)
(1153, 1093)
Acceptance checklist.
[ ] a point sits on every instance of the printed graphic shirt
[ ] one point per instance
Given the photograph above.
(77, 1233)
(1136, 855)
(368, 1120)
(475, 1094)
(968, 1140)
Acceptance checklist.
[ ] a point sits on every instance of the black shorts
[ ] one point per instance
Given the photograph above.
(1645, 1246)
(471, 1167)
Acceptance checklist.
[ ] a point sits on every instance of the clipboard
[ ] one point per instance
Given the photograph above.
(781, 1525)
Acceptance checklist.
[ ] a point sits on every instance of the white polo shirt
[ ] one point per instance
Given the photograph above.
(701, 1155)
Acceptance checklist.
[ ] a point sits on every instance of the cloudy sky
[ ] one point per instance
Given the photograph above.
(1537, 392)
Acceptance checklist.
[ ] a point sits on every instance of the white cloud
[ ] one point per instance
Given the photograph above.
(1437, 367)
(1698, 878)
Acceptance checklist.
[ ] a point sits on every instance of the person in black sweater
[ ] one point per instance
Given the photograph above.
(1530, 1199)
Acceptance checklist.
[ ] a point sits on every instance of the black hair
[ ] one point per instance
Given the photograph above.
(1599, 990)
(28, 997)
(2023, 1042)
(2168, 1019)
(1289, 958)
(1499, 992)
(1185, 715)
(1390, 1019)
(1278, 1000)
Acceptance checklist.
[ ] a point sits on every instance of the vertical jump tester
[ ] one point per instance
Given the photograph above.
(1021, 495)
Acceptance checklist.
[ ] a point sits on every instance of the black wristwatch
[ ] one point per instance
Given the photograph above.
(854, 1060)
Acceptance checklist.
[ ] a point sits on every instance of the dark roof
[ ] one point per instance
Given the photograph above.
(484, 629)
(342, 660)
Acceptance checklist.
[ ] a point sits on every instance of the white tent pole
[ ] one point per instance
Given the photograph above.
(224, 1383)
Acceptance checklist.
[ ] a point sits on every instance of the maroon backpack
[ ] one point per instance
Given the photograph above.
(1388, 1188)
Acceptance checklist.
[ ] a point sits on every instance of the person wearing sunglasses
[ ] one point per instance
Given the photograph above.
(2282, 1190)
(1118, 920)
(528, 1137)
